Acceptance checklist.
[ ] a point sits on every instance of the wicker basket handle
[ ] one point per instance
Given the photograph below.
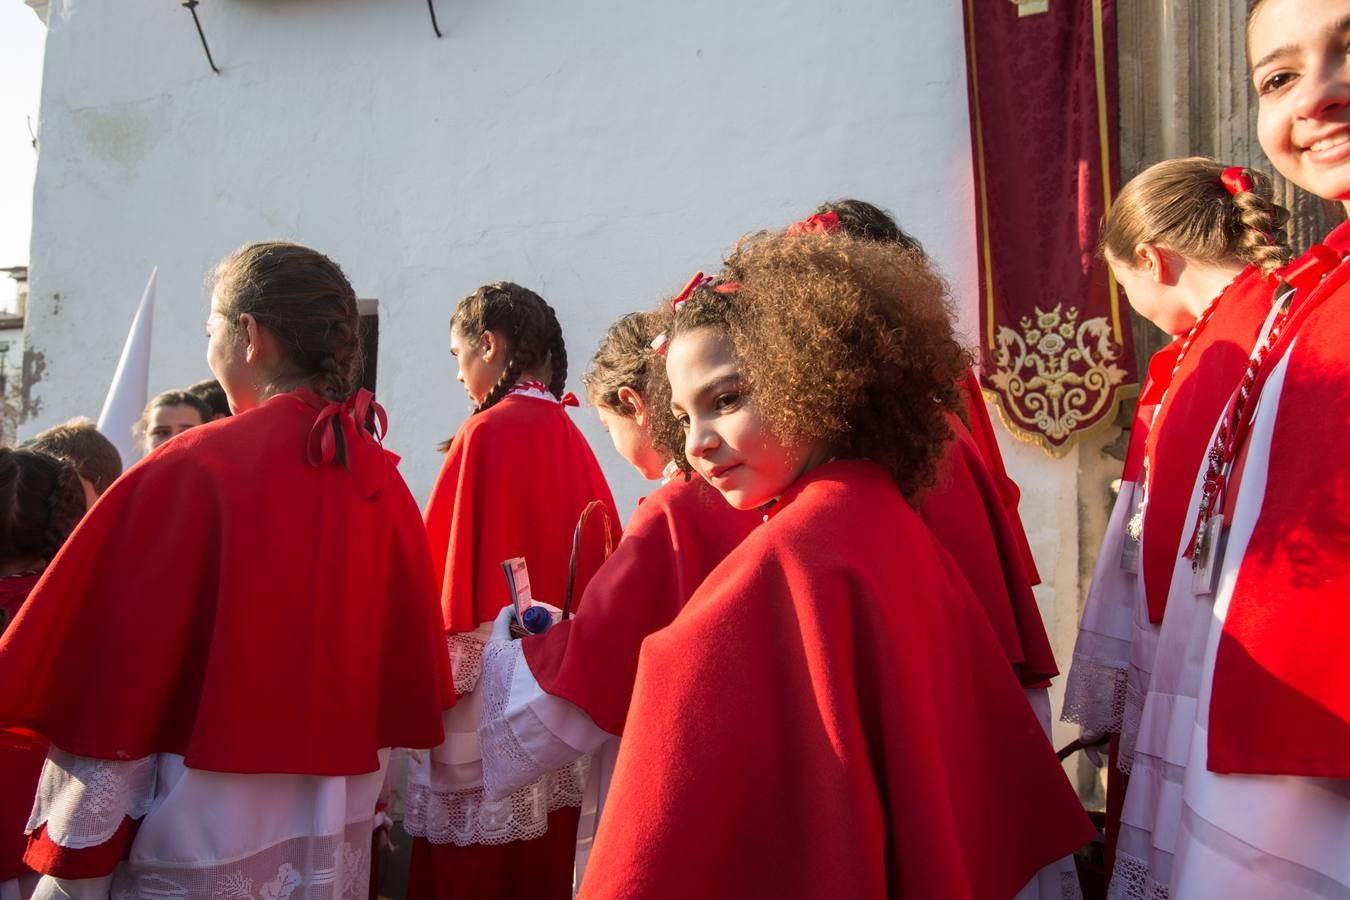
(576, 549)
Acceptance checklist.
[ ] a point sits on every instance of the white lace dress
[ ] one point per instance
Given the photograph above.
(527, 734)
(210, 834)
(445, 801)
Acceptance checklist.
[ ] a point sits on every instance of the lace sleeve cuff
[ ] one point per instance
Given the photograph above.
(82, 802)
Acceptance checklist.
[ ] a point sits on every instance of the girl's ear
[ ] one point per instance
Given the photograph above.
(631, 399)
(1161, 264)
(252, 337)
(488, 346)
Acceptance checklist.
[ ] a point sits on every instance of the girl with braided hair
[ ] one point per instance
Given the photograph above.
(816, 720)
(240, 630)
(577, 677)
(517, 476)
(1257, 725)
(1193, 243)
(41, 501)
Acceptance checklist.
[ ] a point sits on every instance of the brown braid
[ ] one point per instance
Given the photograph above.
(1182, 204)
(303, 298)
(528, 329)
(41, 502)
(1263, 240)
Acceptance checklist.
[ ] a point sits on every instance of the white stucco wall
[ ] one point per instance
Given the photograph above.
(598, 153)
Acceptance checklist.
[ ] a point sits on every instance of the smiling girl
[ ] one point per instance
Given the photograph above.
(816, 720)
(516, 477)
(1265, 777)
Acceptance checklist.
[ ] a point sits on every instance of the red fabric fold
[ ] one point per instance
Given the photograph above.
(966, 513)
(514, 483)
(1181, 430)
(982, 432)
(817, 722)
(231, 603)
(50, 858)
(21, 758)
(1280, 703)
(675, 538)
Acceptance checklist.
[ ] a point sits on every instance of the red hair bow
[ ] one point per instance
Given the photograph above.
(352, 416)
(820, 223)
(1236, 180)
(698, 280)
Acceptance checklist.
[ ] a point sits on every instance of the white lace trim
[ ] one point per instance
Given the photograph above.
(1094, 696)
(1131, 881)
(1131, 720)
(328, 867)
(466, 659)
(467, 817)
(82, 801)
(1069, 888)
(511, 763)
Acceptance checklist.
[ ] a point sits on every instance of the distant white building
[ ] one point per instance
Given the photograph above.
(12, 310)
(598, 152)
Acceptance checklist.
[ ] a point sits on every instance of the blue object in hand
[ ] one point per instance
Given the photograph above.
(537, 620)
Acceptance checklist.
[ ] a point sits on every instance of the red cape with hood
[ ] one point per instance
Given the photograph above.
(675, 538)
(819, 722)
(228, 601)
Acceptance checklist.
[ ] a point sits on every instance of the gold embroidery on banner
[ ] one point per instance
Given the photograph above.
(1056, 374)
(1031, 7)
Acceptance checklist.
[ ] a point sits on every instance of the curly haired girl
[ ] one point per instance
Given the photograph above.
(516, 477)
(830, 686)
(578, 676)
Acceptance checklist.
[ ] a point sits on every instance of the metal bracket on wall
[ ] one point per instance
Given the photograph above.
(191, 6)
(431, 6)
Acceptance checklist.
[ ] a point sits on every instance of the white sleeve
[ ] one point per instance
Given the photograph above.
(83, 801)
(1094, 692)
(525, 732)
(49, 888)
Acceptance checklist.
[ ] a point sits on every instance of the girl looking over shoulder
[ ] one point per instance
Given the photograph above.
(790, 734)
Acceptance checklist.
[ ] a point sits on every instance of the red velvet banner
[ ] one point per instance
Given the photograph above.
(1055, 347)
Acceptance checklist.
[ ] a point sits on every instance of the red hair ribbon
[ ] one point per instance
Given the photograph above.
(351, 414)
(728, 287)
(569, 399)
(698, 280)
(1236, 180)
(820, 223)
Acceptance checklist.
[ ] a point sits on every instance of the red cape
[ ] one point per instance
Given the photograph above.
(515, 481)
(982, 433)
(968, 518)
(675, 538)
(20, 761)
(819, 722)
(227, 601)
(1280, 703)
(1180, 433)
